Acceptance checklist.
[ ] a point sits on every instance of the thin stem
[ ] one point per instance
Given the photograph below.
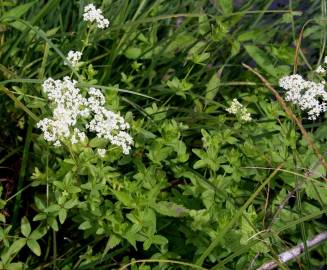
(22, 172)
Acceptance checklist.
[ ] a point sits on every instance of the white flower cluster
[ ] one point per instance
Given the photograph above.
(92, 14)
(309, 96)
(320, 69)
(101, 152)
(70, 106)
(73, 58)
(238, 109)
(107, 124)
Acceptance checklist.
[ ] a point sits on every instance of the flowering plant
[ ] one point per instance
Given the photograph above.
(144, 143)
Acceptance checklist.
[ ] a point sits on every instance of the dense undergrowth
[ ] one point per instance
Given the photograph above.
(201, 187)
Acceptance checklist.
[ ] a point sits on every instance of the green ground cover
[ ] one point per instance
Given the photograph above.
(222, 173)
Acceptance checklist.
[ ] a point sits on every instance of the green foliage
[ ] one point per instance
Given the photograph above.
(198, 188)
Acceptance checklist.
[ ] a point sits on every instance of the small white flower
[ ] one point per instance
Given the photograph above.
(57, 144)
(245, 115)
(309, 96)
(92, 14)
(73, 58)
(72, 111)
(320, 70)
(101, 152)
(238, 109)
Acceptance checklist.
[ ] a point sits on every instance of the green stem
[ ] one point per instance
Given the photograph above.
(54, 250)
(22, 171)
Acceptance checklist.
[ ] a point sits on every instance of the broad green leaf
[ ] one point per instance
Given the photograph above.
(34, 246)
(25, 227)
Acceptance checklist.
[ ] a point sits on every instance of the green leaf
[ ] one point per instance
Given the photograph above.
(2, 218)
(15, 266)
(36, 104)
(208, 198)
(40, 216)
(7, 4)
(124, 197)
(53, 208)
(131, 238)
(70, 204)
(85, 225)
(160, 240)
(98, 142)
(17, 12)
(170, 209)
(25, 227)
(39, 203)
(181, 42)
(113, 241)
(212, 87)
(133, 52)
(62, 215)
(262, 59)
(38, 233)
(226, 5)
(204, 25)
(34, 246)
(53, 223)
(14, 248)
(147, 243)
